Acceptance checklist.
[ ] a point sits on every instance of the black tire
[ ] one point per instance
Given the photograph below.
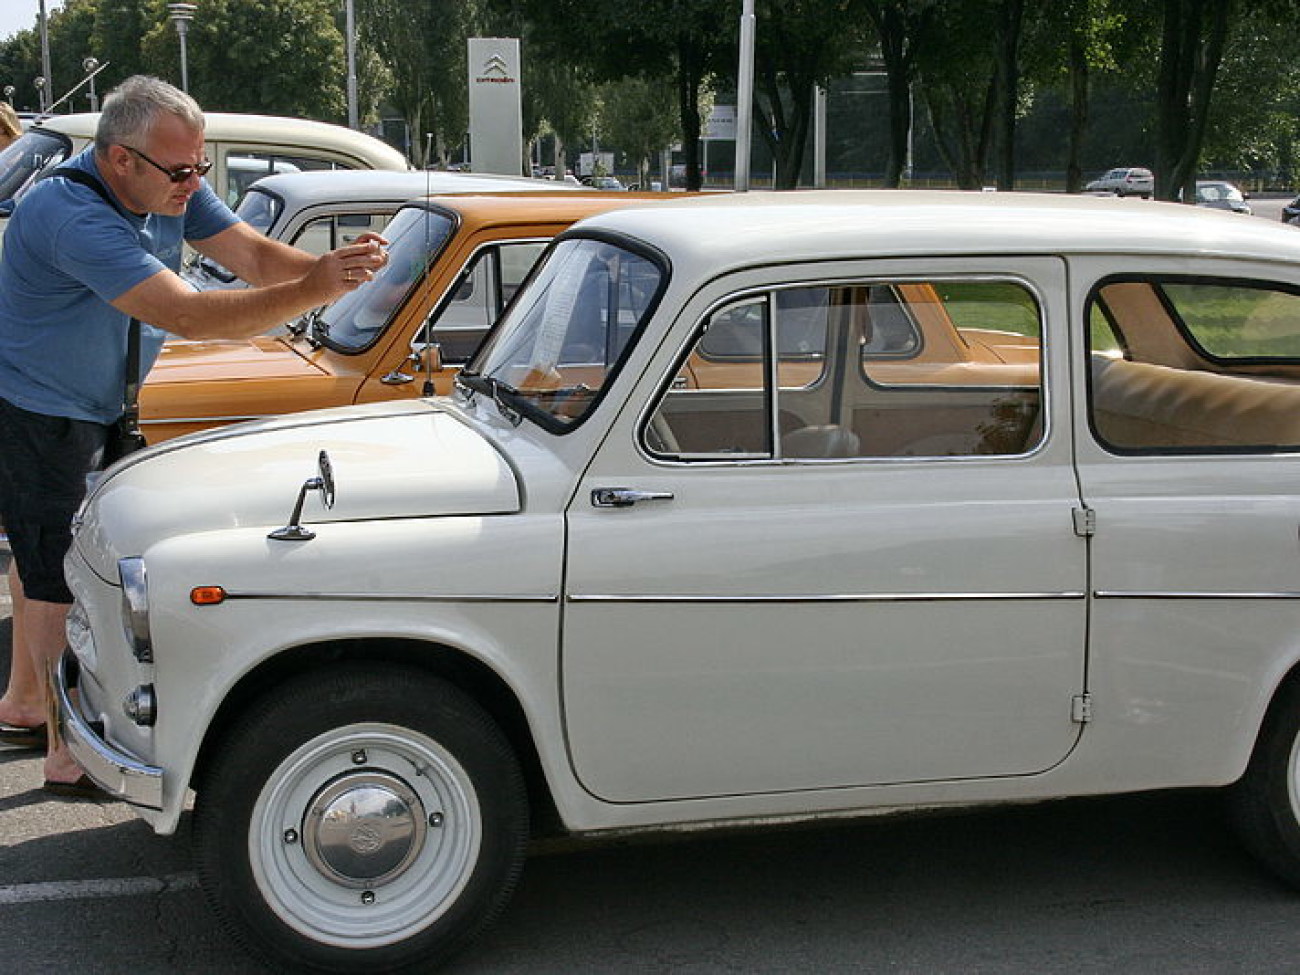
(1265, 803)
(361, 819)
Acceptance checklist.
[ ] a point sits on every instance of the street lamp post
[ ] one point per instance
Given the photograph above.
(89, 65)
(181, 14)
(47, 88)
(354, 120)
(745, 95)
(39, 82)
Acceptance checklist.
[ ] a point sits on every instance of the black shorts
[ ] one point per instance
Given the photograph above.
(44, 461)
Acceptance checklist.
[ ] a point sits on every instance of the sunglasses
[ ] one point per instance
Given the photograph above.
(178, 175)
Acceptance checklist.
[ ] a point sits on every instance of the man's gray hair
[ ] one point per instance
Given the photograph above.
(131, 109)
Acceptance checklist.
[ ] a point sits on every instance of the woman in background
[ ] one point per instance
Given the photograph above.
(10, 128)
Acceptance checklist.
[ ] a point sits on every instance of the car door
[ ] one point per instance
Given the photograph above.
(1189, 457)
(768, 591)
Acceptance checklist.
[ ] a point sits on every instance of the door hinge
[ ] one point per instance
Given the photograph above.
(1081, 708)
(1085, 522)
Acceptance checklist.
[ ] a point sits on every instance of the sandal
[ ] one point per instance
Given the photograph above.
(21, 736)
(83, 788)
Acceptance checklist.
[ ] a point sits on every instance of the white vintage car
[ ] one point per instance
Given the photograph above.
(756, 507)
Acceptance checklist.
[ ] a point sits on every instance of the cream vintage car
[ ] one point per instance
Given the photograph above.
(762, 507)
(241, 148)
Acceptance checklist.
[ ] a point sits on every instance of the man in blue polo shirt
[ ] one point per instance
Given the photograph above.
(77, 266)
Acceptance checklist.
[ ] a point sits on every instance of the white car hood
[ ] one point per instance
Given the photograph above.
(391, 460)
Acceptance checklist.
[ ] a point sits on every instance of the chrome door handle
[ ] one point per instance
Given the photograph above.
(625, 497)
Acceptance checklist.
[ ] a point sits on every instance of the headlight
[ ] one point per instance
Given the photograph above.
(80, 638)
(135, 608)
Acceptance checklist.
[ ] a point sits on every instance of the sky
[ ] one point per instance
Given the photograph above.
(16, 15)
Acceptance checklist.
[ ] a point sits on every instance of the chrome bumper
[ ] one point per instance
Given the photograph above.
(118, 774)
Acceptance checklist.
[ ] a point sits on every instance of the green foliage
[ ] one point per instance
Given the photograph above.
(687, 40)
(957, 85)
(800, 44)
(284, 58)
(640, 117)
(1088, 83)
(423, 43)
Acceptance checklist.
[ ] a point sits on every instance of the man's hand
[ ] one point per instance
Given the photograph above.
(347, 268)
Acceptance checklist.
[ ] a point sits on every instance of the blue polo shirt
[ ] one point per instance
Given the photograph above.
(66, 255)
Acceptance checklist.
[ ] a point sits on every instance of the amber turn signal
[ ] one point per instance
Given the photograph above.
(207, 595)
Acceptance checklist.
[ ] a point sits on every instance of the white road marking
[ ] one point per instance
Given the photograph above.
(77, 890)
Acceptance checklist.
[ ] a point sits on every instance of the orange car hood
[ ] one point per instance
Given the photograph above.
(260, 357)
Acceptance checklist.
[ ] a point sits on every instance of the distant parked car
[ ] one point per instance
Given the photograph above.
(612, 183)
(1291, 212)
(1125, 181)
(1220, 195)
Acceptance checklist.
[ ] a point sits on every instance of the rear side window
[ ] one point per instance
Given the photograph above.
(1195, 365)
(1232, 321)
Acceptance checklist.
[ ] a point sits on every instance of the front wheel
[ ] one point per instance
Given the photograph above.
(361, 820)
(1265, 803)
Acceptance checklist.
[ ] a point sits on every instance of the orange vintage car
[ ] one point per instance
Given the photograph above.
(455, 261)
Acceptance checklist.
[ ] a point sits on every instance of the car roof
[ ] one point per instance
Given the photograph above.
(305, 189)
(711, 234)
(264, 129)
(519, 209)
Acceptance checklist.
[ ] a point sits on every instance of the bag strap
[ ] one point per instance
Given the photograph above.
(131, 388)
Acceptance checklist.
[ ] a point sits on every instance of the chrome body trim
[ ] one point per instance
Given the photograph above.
(376, 597)
(892, 597)
(1173, 594)
(117, 773)
(167, 421)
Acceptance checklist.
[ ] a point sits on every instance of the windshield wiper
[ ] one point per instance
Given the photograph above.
(307, 326)
(505, 396)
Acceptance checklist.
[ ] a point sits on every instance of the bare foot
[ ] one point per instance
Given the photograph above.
(60, 766)
(25, 717)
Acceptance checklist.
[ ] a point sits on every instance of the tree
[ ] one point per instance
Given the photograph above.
(560, 97)
(957, 64)
(120, 25)
(1255, 116)
(899, 25)
(248, 56)
(1193, 35)
(1066, 50)
(70, 31)
(20, 62)
(800, 44)
(423, 43)
(1006, 80)
(640, 118)
(689, 40)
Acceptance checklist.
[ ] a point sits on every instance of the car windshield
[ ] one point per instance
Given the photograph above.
(259, 210)
(34, 152)
(1209, 192)
(358, 319)
(563, 340)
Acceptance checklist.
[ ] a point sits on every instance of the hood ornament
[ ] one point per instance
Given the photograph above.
(322, 482)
